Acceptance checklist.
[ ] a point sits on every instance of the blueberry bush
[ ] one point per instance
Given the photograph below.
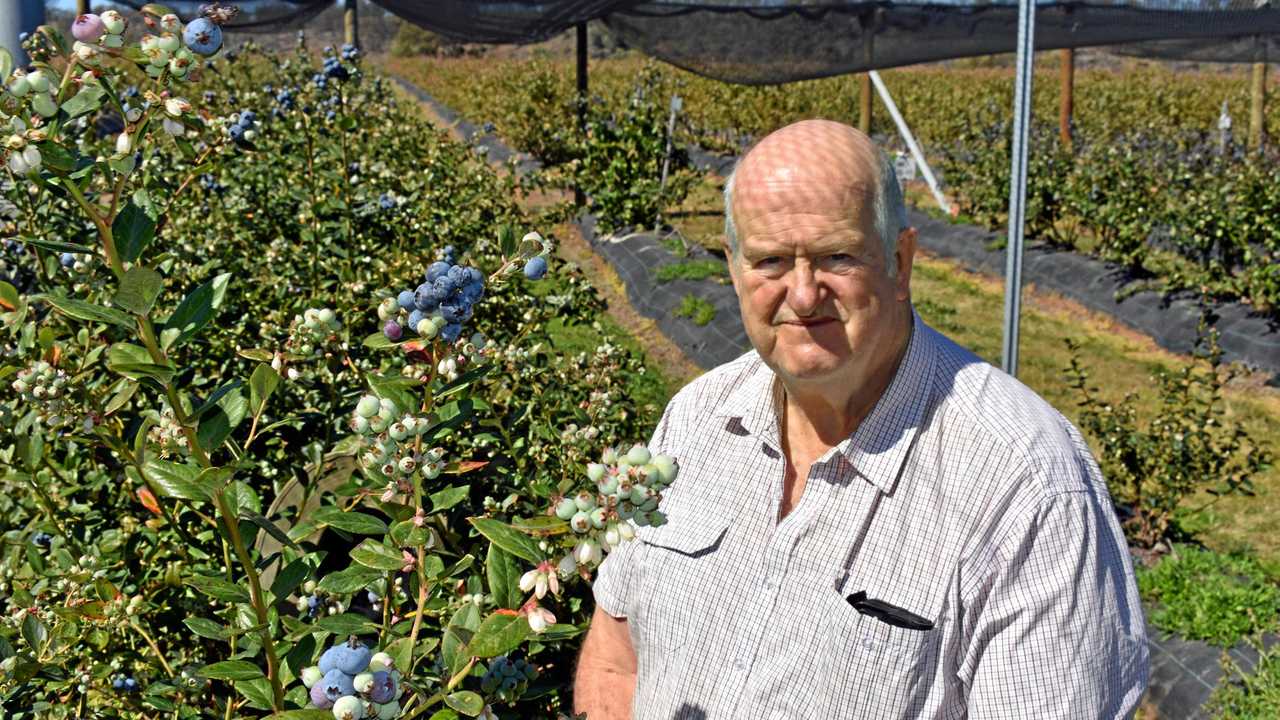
(288, 425)
(1149, 183)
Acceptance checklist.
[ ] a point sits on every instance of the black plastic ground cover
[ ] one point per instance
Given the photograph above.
(1184, 673)
(636, 258)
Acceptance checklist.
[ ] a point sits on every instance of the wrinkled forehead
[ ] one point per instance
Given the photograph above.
(813, 165)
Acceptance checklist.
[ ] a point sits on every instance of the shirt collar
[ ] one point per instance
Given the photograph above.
(878, 448)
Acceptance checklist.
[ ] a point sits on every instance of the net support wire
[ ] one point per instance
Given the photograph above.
(1018, 185)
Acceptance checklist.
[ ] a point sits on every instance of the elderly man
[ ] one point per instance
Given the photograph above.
(870, 522)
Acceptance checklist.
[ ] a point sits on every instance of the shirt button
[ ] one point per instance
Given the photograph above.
(738, 664)
(771, 584)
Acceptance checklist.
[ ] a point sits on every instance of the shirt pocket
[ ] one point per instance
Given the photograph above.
(876, 669)
(681, 587)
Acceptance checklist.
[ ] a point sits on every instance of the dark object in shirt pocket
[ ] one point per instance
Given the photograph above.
(886, 613)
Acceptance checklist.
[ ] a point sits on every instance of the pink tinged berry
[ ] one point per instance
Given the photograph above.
(88, 27)
(392, 330)
(381, 661)
(318, 697)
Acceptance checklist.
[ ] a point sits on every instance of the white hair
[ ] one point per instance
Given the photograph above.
(890, 211)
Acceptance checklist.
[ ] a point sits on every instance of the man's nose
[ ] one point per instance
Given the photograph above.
(804, 294)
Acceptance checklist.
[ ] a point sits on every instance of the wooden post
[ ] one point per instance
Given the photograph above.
(864, 102)
(82, 7)
(582, 96)
(1066, 97)
(1257, 105)
(351, 24)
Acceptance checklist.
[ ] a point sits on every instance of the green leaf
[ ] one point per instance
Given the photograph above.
(257, 690)
(444, 714)
(349, 520)
(345, 582)
(217, 588)
(444, 499)
(461, 627)
(6, 63)
(133, 230)
(139, 289)
(374, 554)
(176, 480)
(504, 578)
(231, 670)
(58, 246)
(56, 157)
(378, 341)
(206, 628)
(35, 633)
(499, 633)
(86, 101)
(541, 525)
(218, 423)
(269, 528)
(508, 538)
(293, 575)
(196, 309)
(406, 534)
(347, 624)
(396, 389)
(9, 297)
(465, 702)
(262, 383)
(301, 715)
(82, 310)
(212, 401)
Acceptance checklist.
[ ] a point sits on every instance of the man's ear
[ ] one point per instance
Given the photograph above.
(731, 260)
(905, 258)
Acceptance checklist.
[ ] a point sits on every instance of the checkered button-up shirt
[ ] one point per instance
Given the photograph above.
(963, 501)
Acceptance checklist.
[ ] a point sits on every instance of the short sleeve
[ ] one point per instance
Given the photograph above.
(1054, 626)
(619, 573)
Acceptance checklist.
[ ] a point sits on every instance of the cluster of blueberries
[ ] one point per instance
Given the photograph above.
(333, 69)
(355, 683)
(245, 122)
(449, 292)
(386, 201)
(126, 684)
(507, 678)
(42, 540)
(211, 184)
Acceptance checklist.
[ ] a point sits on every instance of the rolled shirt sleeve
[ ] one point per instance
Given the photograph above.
(1053, 622)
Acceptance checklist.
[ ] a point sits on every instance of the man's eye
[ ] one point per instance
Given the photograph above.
(768, 262)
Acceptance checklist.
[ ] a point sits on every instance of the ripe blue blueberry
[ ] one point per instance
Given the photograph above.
(535, 268)
(450, 332)
(405, 300)
(67, 259)
(336, 684)
(350, 660)
(415, 319)
(42, 540)
(426, 298)
(202, 36)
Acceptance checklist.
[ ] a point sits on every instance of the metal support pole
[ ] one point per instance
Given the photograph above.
(905, 131)
(1066, 96)
(582, 96)
(351, 24)
(676, 104)
(17, 17)
(82, 7)
(1257, 107)
(1018, 184)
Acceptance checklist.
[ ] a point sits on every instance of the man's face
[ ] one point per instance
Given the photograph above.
(810, 274)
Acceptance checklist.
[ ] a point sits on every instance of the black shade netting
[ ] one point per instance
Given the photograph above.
(771, 41)
(255, 16)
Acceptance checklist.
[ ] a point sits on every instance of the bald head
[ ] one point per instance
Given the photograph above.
(819, 164)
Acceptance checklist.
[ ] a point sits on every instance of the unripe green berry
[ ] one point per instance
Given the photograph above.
(595, 471)
(368, 406)
(638, 455)
(585, 500)
(566, 509)
(580, 522)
